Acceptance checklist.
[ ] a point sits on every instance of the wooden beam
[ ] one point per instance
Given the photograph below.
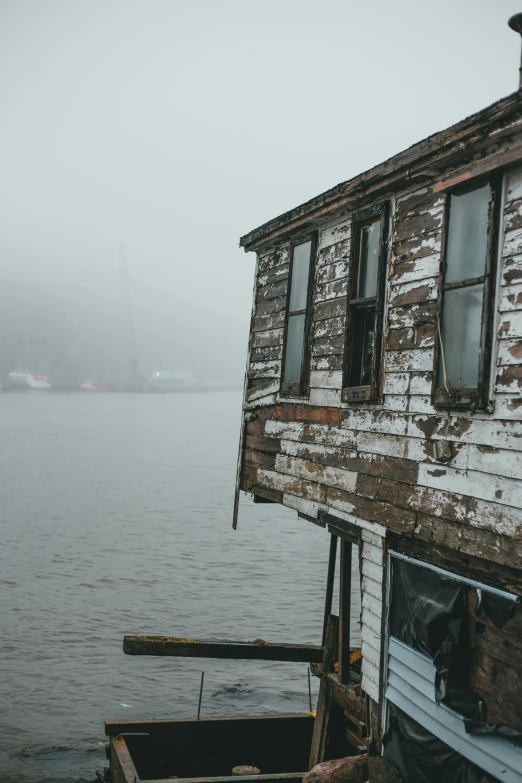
(330, 583)
(479, 168)
(292, 723)
(322, 718)
(346, 697)
(280, 777)
(258, 650)
(122, 765)
(345, 605)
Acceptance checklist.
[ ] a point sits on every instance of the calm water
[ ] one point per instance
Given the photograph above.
(115, 518)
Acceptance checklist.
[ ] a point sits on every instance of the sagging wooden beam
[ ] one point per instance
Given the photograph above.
(258, 650)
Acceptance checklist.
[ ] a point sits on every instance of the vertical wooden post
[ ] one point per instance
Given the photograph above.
(322, 718)
(329, 583)
(345, 601)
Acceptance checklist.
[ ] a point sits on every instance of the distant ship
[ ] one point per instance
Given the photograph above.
(23, 379)
(91, 387)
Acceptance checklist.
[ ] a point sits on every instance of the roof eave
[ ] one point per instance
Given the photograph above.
(410, 165)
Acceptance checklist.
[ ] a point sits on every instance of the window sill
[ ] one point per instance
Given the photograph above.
(461, 399)
(359, 394)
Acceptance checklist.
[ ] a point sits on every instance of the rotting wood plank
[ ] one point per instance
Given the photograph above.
(297, 412)
(259, 649)
(172, 726)
(322, 718)
(329, 584)
(345, 603)
(330, 308)
(310, 490)
(280, 777)
(122, 765)
(346, 697)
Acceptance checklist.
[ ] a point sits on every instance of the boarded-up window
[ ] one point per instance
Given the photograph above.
(365, 305)
(466, 298)
(295, 357)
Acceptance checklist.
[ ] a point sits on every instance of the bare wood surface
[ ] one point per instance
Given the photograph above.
(322, 717)
(172, 726)
(345, 603)
(122, 766)
(330, 583)
(282, 776)
(259, 649)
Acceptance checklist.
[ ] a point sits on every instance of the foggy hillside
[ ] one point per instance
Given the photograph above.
(85, 335)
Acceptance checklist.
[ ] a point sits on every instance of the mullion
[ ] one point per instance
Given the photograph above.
(465, 283)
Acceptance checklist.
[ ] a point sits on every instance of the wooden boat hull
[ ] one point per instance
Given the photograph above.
(206, 750)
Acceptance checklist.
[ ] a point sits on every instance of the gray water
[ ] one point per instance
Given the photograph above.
(115, 518)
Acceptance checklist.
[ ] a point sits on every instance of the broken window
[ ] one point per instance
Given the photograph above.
(449, 638)
(465, 317)
(365, 304)
(295, 356)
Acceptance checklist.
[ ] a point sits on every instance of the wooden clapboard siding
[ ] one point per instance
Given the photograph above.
(375, 463)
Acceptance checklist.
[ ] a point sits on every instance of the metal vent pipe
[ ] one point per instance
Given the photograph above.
(516, 24)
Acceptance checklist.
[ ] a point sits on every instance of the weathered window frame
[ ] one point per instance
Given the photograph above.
(360, 220)
(476, 398)
(300, 388)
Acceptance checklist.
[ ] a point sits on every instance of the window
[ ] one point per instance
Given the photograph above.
(465, 317)
(295, 354)
(365, 305)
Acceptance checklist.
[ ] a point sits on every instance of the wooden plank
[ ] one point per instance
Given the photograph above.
(259, 650)
(280, 777)
(172, 726)
(346, 697)
(329, 584)
(122, 766)
(310, 490)
(322, 719)
(345, 603)
(322, 474)
(481, 167)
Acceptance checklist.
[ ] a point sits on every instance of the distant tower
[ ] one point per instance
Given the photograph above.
(135, 376)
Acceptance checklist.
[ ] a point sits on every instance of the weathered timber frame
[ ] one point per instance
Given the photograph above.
(360, 220)
(300, 389)
(478, 398)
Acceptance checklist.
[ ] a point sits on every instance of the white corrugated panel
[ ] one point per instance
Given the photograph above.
(371, 613)
(411, 687)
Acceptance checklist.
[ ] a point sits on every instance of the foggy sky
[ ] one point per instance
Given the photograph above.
(175, 127)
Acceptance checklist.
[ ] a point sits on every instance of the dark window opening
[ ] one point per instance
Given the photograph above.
(296, 349)
(466, 309)
(365, 305)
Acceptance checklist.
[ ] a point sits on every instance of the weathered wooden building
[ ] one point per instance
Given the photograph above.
(383, 401)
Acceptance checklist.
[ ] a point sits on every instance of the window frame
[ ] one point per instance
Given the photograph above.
(470, 398)
(300, 388)
(369, 392)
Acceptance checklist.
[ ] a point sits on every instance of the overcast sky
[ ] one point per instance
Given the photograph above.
(175, 127)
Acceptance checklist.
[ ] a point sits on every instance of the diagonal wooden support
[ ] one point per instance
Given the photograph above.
(322, 718)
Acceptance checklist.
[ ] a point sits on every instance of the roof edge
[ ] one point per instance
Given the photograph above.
(497, 114)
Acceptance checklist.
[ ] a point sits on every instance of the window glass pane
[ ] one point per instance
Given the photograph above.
(300, 269)
(363, 346)
(461, 337)
(467, 238)
(369, 260)
(294, 348)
